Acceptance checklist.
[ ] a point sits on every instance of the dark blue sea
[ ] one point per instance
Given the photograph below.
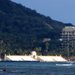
(36, 68)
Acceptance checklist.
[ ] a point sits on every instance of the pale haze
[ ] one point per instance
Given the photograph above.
(60, 10)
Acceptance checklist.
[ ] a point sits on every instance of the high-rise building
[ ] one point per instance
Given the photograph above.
(68, 39)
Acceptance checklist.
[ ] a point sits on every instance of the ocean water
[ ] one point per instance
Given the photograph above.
(36, 68)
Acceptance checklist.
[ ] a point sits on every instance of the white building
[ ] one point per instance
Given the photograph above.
(35, 57)
(68, 39)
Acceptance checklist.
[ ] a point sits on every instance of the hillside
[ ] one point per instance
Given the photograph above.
(23, 29)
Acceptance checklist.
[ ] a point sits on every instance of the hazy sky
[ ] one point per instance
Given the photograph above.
(61, 10)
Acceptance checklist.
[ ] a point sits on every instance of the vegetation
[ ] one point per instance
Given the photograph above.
(23, 30)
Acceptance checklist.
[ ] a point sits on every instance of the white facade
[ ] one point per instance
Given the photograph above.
(39, 58)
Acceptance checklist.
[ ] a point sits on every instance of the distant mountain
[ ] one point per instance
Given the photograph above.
(23, 29)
